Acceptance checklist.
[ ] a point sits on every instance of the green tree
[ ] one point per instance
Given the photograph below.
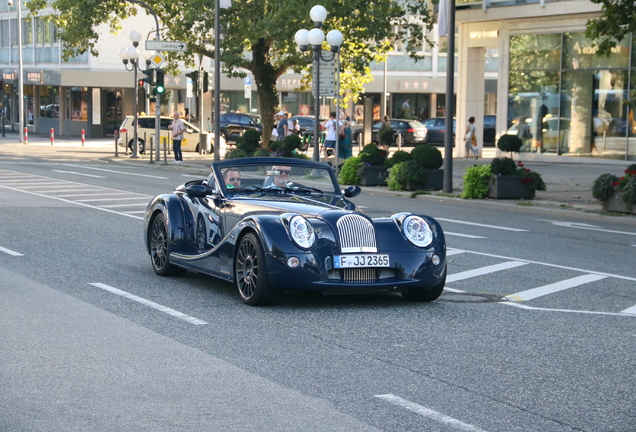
(258, 35)
(617, 21)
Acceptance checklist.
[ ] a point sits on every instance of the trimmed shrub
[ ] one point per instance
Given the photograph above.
(476, 182)
(509, 143)
(399, 156)
(427, 156)
(236, 154)
(351, 171)
(603, 187)
(262, 152)
(503, 166)
(404, 173)
(372, 155)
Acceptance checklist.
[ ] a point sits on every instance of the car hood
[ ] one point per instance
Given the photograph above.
(305, 205)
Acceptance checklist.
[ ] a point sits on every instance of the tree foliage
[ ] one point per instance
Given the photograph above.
(616, 22)
(258, 35)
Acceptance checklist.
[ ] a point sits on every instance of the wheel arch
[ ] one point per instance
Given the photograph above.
(170, 206)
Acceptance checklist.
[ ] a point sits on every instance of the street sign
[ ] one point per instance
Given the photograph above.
(247, 81)
(327, 77)
(157, 59)
(175, 46)
(189, 92)
(248, 87)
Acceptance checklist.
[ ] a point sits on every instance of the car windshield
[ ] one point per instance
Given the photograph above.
(269, 178)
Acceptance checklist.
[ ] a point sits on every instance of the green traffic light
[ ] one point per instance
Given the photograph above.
(160, 89)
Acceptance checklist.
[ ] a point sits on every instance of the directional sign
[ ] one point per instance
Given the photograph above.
(326, 78)
(175, 46)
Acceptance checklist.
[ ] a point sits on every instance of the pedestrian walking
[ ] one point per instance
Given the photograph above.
(282, 126)
(386, 124)
(177, 127)
(345, 150)
(470, 139)
(330, 140)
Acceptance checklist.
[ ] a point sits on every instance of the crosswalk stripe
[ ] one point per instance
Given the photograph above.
(450, 252)
(555, 287)
(483, 270)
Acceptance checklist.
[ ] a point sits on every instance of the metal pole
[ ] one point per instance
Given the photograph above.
(20, 74)
(337, 111)
(450, 91)
(217, 81)
(317, 51)
(200, 79)
(135, 149)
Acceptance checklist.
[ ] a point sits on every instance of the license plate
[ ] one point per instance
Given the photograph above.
(360, 260)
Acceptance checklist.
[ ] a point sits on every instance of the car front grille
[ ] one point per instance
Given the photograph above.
(359, 275)
(356, 234)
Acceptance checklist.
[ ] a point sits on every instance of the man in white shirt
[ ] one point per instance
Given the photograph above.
(332, 128)
(177, 128)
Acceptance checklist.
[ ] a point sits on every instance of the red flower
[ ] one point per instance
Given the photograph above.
(627, 171)
(527, 170)
(519, 163)
(615, 184)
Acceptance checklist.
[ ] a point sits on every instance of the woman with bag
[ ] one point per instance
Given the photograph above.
(470, 139)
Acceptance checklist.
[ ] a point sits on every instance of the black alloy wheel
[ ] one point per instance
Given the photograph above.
(250, 273)
(159, 250)
(141, 146)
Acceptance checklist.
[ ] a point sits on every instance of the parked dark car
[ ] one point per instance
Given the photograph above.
(307, 123)
(412, 131)
(234, 125)
(436, 129)
(268, 226)
(490, 129)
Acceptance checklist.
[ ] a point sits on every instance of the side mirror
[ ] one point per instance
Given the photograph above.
(197, 191)
(351, 191)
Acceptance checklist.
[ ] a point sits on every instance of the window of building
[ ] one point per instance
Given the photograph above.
(77, 104)
(4, 33)
(27, 32)
(49, 101)
(13, 25)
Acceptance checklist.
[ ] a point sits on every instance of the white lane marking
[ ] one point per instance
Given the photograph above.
(453, 290)
(481, 225)
(93, 194)
(149, 303)
(117, 172)
(125, 205)
(555, 287)
(80, 174)
(111, 199)
(192, 176)
(10, 252)
(450, 252)
(133, 212)
(552, 265)
(631, 310)
(49, 185)
(586, 227)
(429, 413)
(72, 202)
(523, 306)
(483, 270)
(463, 235)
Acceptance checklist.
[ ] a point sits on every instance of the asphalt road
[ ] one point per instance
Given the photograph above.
(535, 332)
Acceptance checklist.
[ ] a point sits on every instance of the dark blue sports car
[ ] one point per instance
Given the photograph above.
(272, 225)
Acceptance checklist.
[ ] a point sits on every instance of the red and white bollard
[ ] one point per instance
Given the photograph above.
(52, 135)
(83, 137)
(26, 135)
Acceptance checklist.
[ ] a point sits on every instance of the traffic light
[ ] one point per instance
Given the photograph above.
(150, 74)
(194, 76)
(159, 82)
(205, 82)
(141, 83)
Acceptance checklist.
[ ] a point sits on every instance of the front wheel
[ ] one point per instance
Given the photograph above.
(159, 248)
(426, 294)
(141, 146)
(250, 272)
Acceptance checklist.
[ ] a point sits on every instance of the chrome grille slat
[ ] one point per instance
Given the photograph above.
(359, 275)
(356, 234)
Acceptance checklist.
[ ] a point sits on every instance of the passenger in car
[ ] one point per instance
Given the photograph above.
(232, 178)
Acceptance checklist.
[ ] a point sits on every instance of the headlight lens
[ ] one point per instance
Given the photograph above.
(417, 231)
(302, 232)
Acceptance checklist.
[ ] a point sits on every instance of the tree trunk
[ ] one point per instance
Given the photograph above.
(265, 77)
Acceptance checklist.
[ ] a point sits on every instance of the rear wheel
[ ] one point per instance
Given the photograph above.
(159, 248)
(141, 146)
(250, 272)
(426, 294)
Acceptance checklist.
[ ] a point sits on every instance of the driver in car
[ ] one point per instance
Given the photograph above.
(232, 178)
(281, 179)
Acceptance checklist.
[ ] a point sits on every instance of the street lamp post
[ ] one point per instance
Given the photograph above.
(315, 37)
(132, 54)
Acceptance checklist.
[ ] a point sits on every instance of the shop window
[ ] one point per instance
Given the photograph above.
(77, 104)
(49, 101)
(579, 52)
(532, 52)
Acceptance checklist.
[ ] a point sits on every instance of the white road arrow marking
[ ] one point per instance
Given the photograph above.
(586, 227)
(481, 225)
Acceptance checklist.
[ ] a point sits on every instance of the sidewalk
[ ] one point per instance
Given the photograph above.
(568, 179)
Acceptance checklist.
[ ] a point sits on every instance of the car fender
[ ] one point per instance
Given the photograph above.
(172, 207)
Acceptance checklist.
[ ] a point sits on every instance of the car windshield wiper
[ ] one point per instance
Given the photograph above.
(251, 188)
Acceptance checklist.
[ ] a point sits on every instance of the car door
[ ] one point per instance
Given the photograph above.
(190, 137)
(233, 128)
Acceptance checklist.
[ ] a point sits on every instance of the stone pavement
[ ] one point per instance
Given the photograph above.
(568, 179)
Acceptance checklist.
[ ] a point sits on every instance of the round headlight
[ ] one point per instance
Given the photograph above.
(302, 232)
(417, 231)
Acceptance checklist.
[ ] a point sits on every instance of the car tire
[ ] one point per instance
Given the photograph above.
(427, 294)
(160, 249)
(250, 272)
(141, 146)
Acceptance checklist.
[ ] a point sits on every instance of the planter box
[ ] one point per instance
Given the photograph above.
(616, 204)
(434, 181)
(374, 176)
(508, 187)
